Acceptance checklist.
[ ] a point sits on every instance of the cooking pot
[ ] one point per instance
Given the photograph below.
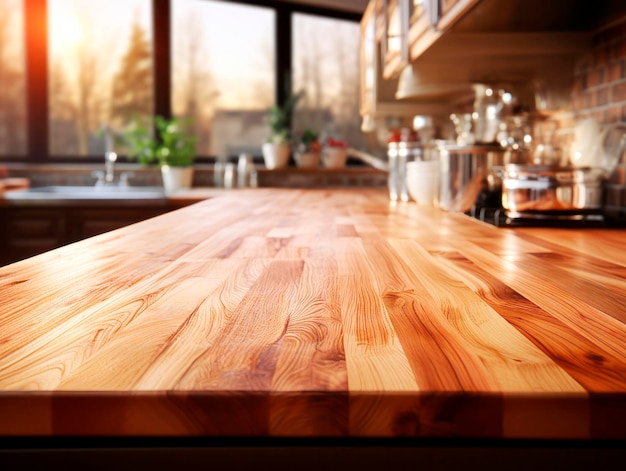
(465, 172)
(537, 188)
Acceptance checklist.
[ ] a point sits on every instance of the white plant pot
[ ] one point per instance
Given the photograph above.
(276, 155)
(176, 178)
(307, 159)
(335, 157)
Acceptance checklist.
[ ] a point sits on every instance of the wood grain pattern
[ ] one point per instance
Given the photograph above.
(309, 313)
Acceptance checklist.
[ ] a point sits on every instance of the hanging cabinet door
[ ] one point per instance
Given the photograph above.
(391, 39)
(369, 60)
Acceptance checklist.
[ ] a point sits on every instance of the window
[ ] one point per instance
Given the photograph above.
(68, 68)
(223, 72)
(100, 70)
(12, 79)
(326, 67)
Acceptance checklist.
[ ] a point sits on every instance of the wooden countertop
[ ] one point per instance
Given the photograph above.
(317, 313)
(183, 197)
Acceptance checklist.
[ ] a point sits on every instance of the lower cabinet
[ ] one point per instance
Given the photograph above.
(28, 231)
(83, 223)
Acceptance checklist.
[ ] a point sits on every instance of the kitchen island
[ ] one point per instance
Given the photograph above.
(318, 314)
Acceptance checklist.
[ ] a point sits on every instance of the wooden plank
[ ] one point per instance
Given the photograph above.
(565, 305)
(571, 350)
(514, 363)
(375, 359)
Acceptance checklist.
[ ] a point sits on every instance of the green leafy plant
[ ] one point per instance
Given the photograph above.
(281, 117)
(309, 141)
(172, 145)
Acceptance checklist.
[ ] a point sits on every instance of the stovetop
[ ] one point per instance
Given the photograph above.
(488, 208)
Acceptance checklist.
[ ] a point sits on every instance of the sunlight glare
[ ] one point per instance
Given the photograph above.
(69, 32)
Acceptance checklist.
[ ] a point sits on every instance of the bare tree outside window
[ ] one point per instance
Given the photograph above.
(12, 79)
(100, 66)
(131, 91)
(223, 73)
(195, 91)
(326, 66)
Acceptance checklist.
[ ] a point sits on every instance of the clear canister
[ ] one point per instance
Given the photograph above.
(398, 154)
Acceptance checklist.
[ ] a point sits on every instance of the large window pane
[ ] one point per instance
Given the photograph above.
(326, 66)
(12, 79)
(100, 72)
(223, 72)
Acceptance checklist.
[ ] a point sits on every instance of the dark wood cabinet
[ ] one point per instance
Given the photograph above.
(83, 223)
(28, 231)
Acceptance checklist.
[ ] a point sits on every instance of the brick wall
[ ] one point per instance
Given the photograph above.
(599, 88)
(599, 92)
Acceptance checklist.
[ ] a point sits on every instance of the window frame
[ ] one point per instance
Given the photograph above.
(36, 61)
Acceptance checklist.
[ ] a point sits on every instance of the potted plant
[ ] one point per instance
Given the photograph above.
(335, 153)
(173, 148)
(277, 148)
(308, 151)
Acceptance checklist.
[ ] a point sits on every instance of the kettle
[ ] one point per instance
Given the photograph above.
(597, 148)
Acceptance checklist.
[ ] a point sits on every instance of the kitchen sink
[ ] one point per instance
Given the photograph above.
(88, 192)
(59, 193)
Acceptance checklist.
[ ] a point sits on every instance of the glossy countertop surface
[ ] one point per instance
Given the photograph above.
(317, 313)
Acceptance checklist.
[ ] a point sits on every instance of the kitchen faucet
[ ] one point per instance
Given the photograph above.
(107, 178)
(109, 166)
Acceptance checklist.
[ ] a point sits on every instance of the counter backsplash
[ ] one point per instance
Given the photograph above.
(290, 177)
(599, 86)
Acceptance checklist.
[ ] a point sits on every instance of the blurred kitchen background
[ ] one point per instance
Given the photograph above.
(70, 67)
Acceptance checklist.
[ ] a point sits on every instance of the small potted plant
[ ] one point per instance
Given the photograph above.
(173, 148)
(308, 151)
(277, 148)
(335, 153)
